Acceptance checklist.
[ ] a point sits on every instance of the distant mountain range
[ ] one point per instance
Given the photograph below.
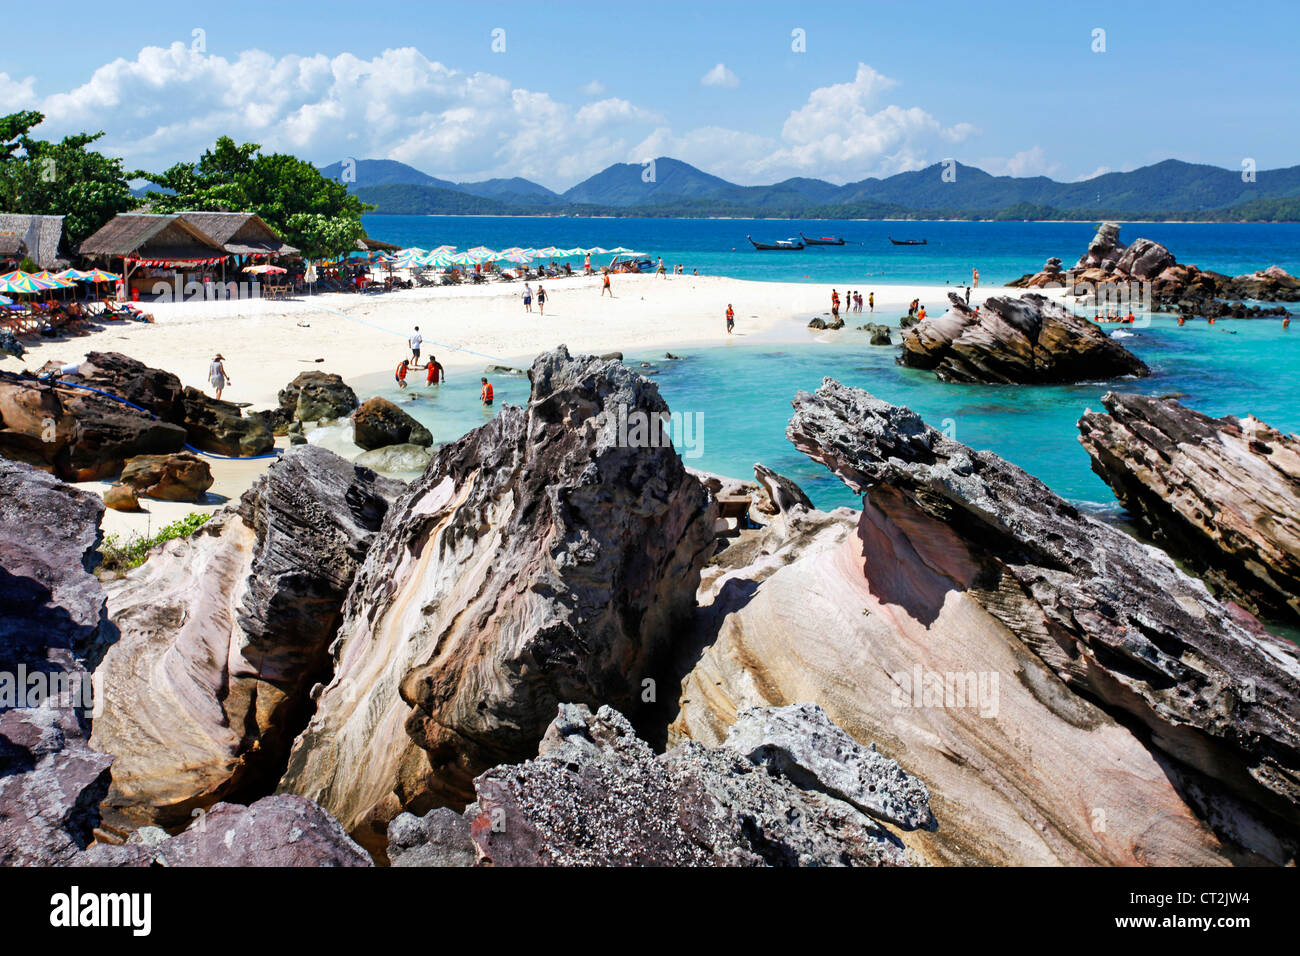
(1167, 190)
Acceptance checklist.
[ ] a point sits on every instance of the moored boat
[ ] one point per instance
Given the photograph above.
(788, 245)
(909, 242)
(822, 240)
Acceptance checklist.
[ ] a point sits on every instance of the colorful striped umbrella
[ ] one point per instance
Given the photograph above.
(550, 252)
(517, 257)
(575, 251)
(596, 251)
(99, 275)
(24, 286)
(463, 259)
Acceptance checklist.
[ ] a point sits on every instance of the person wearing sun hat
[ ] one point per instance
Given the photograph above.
(217, 374)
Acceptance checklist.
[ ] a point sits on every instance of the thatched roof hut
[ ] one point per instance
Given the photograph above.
(36, 237)
(376, 245)
(240, 233)
(152, 238)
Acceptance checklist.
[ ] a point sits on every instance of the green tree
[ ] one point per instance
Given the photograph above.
(63, 178)
(316, 214)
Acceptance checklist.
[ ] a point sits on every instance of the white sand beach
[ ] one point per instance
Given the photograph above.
(266, 343)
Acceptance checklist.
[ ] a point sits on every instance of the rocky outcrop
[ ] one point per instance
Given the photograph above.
(1029, 340)
(51, 630)
(396, 459)
(1223, 495)
(278, 831)
(1059, 686)
(223, 634)
(596, 795)
(178, 477)
(819, 323)
(73, 433)
(379, 423)
(221, 427)
(121, 498)
(317, 396)
(543, 557)
(49, 541)
(1173, 286)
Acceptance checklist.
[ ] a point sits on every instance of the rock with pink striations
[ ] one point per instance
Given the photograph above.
(223, 634)
(1221, 494)
(1068, 695)
(548, 556)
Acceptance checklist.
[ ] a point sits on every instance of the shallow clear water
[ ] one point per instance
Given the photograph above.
(740, 394)
(1002, 251)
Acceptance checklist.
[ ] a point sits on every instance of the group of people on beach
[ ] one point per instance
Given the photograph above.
(434, 372)
(541, 297)
(854, 301)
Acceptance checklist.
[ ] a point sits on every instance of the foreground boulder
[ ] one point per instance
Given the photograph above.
(1221, 494)
(379, 423)
(51, 629)
(596, 795)
(224, 632)
(220, 427)
(1029, 340)
(281, 831)
(179, 477)
(541, 558)
(1058, 685)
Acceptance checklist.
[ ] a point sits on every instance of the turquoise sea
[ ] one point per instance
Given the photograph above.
(740, 392)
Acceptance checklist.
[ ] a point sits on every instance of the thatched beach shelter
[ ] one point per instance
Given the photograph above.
(153, 247)
(34, 237)
(241, 233)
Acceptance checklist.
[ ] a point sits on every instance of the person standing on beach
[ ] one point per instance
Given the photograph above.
(217, 374)
(436, 372)
(731, 318)
(485, 394)
(417, 340)
(835, 303)
(871, 301)
(400, 374)
(975, 278)
(528, 297)
(968, 295)
(660, 270)
(541, 299)
(586, 264)
(605, 288)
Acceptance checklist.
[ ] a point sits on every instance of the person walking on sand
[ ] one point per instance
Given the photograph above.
(968, 295)
(436, 372)
(541, 299)
(400, 374)
(485, 394)
(605, 287)
(217, 374)
(417, 340)
(731, 318)
(660, 270)
(586, 264)
(528, 297)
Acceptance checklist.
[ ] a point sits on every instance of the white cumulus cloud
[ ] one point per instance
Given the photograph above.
(720, 76)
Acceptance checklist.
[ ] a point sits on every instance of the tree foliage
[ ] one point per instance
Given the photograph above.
(64, 178)
(316, 214)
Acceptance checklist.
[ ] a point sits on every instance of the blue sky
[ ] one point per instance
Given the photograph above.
(883, 86)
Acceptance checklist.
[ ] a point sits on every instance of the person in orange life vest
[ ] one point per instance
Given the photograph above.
(731, 318)
(486, 394)
(605, 288)
(835, 302)
(921, 315)
(1286, 323)
(436, 372)
(1129, 318)
(400, 374)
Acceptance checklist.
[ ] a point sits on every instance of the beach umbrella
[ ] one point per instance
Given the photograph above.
(518, 258)
(575, 251)
(462, 259)
(622, 251)
(441, 249)
(99, 275)
(550, 252)
(265, 270)
(6, 301)
(72, 275)
(596, 251)
(28, 285)
(409, 253)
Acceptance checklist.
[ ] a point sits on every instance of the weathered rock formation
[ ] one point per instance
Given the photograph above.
(542, 558)
(178, 477)
(396, 459)
(278, 831)
(220, 427)
(1067, 694)
(1174, 287)
(223, 634)
(1029, 340)
(379, 423)
(879, 333)
(1223, 495)
(317, 396)
(51, 629)
(76, 434)
(787, 789)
